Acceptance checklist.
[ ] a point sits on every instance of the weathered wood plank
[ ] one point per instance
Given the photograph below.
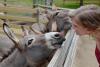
(72, 51)
(18, 18)
(59, 58)
(12, 9)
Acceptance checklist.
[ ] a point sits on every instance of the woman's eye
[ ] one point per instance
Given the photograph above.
(30, 41)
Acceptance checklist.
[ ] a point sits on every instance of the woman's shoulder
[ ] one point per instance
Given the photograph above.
(97, 53)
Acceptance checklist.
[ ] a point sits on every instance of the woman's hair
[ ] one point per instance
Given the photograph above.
(88, 16)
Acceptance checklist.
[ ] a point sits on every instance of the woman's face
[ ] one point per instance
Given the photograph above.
(79, 29)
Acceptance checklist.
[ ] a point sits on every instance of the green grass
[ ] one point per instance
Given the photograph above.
(71, 5)
(74, 3)
(67, 4)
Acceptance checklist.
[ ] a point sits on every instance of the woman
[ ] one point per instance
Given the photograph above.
(86, 21)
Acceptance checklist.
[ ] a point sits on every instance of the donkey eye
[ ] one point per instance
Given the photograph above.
(30, 41)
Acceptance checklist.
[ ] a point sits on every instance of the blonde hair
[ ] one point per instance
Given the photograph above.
(89, 16)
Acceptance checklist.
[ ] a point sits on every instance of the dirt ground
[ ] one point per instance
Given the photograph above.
(85, 54)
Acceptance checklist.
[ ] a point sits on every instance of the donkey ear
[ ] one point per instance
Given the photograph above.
(55, 14)
(10, 34)
(54, 27)
(35, 31)
(25, 31)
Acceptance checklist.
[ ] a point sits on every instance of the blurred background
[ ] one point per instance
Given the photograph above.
(58, 3)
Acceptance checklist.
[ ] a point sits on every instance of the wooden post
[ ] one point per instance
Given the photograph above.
(34, 2)
(81, 2)
(5, 4)
(64, 2)
(65, 55)
(49, 2)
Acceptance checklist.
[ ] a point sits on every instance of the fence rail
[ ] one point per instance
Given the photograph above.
(17, 18)
(12, 9)
(64, 57)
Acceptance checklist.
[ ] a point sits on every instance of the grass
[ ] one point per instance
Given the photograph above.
(67, 4)
(74, 3)
(70, 5)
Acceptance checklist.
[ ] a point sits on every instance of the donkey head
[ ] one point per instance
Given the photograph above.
(35, 48)
(59, 21)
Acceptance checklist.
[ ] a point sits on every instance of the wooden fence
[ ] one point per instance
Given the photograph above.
(63, 56)
(12, 9)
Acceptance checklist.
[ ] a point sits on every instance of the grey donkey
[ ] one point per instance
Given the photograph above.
(31, 50)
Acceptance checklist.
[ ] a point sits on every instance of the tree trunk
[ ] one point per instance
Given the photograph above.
(81, 2)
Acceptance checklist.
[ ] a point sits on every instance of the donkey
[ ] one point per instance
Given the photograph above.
(59, 21)
(31, 50)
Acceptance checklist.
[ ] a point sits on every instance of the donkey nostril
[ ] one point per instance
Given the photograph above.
(57, 35)
(64, 39)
